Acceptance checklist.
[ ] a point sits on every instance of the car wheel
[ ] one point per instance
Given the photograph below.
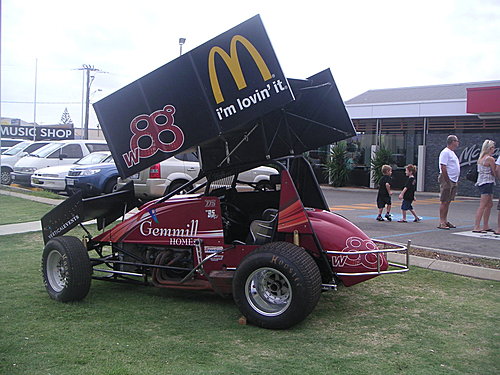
(175, 185)
(110, 186)
(6, 179)
(264, 185)
(277, 286)
(66, 269)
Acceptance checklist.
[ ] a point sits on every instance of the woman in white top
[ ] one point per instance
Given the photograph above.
(485, 182)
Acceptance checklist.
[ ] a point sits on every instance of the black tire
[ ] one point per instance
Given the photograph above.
(175, 185)
(277, 286)
(66, 269)
(110, 185)
(264, 185)
(6, 179)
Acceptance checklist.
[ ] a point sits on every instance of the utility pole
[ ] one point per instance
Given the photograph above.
(89, 79)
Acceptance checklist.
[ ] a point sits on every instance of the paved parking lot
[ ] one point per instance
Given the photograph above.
(359, 206)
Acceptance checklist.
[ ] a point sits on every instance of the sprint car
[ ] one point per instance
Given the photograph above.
(274, 249)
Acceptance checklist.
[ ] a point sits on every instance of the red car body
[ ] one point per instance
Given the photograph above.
(195, 221)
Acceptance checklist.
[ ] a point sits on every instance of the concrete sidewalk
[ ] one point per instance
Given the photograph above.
(431, 264)
(53, 202)
(450, 267)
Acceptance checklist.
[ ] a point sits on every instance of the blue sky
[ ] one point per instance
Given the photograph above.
(367, 44)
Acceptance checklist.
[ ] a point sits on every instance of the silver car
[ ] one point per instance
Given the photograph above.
(174, 172)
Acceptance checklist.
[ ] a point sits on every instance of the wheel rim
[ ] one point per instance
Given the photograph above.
(56, 271)
(268, 291)
(5, 178)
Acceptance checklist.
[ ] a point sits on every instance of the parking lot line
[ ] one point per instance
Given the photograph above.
(418, 232)
(487, 235)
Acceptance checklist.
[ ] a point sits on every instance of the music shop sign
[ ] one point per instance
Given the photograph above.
(37, 133)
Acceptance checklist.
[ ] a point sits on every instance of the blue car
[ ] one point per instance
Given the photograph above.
(93, 179)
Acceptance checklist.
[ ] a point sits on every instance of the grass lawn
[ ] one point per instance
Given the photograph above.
(18, 210)
(32, 191)
(421, 322)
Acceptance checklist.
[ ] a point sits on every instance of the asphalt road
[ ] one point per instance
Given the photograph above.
(359, 206)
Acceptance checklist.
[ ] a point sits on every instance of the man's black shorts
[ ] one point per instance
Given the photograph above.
(383, 201)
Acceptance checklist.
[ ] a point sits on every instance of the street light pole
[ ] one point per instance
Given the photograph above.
(34, 101)
(181, 42)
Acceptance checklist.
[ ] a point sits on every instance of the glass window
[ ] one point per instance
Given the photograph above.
(191, 156)
(93, 147)
(72, 151)
(187, 156)
(109, 159)
(35, 146)
(45, 151)
(94, 158)
(15, 149)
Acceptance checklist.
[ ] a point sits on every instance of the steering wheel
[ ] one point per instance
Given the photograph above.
(233, 213)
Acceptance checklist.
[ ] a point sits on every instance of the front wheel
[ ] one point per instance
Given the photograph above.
(277, 286)
(6, 179)
(66, 269)
(110, 185)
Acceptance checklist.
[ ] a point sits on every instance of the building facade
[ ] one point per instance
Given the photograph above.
(414, 122)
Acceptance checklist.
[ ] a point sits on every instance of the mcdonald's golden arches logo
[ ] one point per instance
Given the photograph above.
(233, 63)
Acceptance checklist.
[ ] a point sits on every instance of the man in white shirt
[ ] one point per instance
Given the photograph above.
(449, 172)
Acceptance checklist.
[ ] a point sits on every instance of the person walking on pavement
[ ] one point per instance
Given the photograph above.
(384, 193)
(449, 172)
(408, 194)
(485, 182)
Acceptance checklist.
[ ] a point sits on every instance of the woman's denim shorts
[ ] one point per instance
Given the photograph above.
(486, 188)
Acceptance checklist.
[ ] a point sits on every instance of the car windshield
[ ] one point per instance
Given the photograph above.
(46, 150)
(93, 158)
(16, 149)
(109, 159)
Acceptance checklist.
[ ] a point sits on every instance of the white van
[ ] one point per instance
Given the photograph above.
(11, 156)
(56, 153)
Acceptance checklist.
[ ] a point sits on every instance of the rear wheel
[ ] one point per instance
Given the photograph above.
(175, 185)
(66, 269)
(277, 285)
(264, 185)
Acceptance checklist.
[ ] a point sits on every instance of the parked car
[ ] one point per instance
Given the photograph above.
(93, 179)
(54, 154)
(14, 153)
(54, 178)
(174, 172)
(8, 143)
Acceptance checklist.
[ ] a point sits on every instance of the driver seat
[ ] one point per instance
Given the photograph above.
(262, 231)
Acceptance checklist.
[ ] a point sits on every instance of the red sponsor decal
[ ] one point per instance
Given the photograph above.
(153, 126)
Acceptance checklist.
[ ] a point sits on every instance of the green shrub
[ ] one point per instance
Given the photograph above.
(382, 156)
(339, 165)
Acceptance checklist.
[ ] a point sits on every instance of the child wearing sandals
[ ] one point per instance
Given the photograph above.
(408, 194)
